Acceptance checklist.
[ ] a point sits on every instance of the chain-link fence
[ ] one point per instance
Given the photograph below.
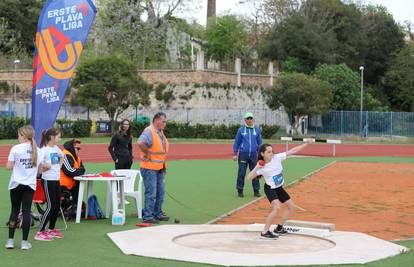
(341, 123)
(366, 123)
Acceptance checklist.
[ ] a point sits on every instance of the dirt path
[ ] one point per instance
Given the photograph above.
(373, 198)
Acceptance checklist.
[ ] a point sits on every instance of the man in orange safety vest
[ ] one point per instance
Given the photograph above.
(154, 149)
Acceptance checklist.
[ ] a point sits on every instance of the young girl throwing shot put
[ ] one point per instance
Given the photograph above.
(272, 171)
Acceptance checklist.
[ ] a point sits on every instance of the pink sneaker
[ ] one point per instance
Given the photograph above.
(43, 236)
(55, 233)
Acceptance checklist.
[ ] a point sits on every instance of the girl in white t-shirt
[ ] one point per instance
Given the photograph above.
(272, 171)
(25, 162)
(52, 158)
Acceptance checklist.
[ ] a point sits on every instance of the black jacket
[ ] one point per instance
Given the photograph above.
(121, 147)
(68, 163)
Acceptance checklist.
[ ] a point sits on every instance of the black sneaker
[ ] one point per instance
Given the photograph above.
(281, 231)
(163, 218)
(269, 235)
(257, 193)
(151, 221)
(240, 194)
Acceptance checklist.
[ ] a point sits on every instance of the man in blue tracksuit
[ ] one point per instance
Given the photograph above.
(246, 144)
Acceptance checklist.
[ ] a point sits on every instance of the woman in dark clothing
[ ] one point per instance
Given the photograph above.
(120, 147)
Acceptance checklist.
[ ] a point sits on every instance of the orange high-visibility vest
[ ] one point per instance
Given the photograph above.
(156, 155)
(65, 180)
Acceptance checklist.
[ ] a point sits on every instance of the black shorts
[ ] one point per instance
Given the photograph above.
(276, 193)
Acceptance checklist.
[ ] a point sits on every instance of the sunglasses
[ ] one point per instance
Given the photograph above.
(77, 148)
(249, 118)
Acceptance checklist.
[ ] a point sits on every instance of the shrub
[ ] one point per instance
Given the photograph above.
(137, 127)
(65, 127)
(9, 126)
(269, 131)
(5, 87)
(159, 91)
(81, 128)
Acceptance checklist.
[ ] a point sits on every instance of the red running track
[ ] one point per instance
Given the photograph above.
(99, 152)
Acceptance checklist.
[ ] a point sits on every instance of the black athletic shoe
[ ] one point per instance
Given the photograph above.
(269, 235)
(281, 231)
(163, 218)
(257, 193)
(240, 194)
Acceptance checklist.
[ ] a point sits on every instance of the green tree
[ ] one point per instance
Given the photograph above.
(344, 20)
(400, 80)
(345, 85)
(18, 23)
(137, 28)
(384, 40)
(298, 37)
(346, 88)
(292, 64)
(110, 82)
(225, 39)
(300, 95)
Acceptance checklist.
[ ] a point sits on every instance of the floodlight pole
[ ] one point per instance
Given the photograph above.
(361, 98)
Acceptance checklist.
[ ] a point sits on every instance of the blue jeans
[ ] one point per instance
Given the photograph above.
(154, 193)
(245, 160)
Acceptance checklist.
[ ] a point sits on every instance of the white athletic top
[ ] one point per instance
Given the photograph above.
(272, 171)
(52, 156)
(23, 172)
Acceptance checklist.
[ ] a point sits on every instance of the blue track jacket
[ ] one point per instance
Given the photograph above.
(247, 141)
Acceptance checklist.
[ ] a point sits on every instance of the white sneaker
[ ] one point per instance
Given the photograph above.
(25, 245)
(10, 244)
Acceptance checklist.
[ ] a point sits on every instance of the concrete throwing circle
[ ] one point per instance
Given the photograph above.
(251, 242)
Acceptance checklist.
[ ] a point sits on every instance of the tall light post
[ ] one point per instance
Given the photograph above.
(362, 94)
(14, 86)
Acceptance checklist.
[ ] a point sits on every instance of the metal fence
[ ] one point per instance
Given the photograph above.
(367, 123)
(341, 123)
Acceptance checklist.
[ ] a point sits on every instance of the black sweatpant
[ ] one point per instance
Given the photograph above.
(123, 163)
(21, 199)
(52, 193)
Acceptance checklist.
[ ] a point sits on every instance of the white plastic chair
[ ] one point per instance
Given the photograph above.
(129, 186)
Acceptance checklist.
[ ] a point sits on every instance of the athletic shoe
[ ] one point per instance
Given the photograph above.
(281, 231)
(10, 244)
(25, 245)
(43, 236)
(240, 194)
(257, 193)
(55, 233)
(163, 218)
(268, 235)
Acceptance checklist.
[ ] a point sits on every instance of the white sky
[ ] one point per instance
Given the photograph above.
(402, 10)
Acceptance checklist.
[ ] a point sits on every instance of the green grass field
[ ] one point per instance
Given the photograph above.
(205, 190)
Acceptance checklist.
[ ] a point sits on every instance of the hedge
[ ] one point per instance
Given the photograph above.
(78, 128)
(10, 125)
(204, 131)
(81, 128)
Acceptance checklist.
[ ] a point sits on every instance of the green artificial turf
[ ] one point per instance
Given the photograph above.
(202, 190)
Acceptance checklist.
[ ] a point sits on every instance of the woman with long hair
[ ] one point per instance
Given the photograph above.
(120, 147)
(25, 162)
(52, 159)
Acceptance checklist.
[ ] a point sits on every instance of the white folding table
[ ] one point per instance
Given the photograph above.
(112, 193)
